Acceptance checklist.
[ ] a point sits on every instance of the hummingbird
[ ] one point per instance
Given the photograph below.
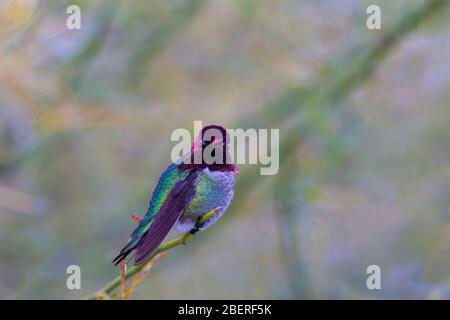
(186, 190)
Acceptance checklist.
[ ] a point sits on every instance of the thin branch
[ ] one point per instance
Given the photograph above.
(164, 247)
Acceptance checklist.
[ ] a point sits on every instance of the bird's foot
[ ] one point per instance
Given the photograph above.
(200, 223)
(197, 227)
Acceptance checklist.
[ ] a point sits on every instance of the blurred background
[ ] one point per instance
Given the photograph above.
(364, 118)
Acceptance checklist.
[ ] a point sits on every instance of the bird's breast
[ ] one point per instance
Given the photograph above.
(214, 189)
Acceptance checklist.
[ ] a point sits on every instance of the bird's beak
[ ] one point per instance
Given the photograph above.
(196, 145)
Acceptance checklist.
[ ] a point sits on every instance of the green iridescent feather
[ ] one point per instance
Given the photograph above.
(165, 184)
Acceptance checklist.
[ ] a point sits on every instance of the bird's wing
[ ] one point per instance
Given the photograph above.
(177, 200)
(173, 191)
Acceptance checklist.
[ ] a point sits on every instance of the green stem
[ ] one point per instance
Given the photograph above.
(164, 247)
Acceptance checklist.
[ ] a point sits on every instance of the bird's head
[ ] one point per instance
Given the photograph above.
(213, 140)
(211, 134)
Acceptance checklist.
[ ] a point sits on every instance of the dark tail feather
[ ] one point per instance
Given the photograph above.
(123, 253)
(120, 257)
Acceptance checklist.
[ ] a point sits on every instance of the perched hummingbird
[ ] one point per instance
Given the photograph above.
(185, 192)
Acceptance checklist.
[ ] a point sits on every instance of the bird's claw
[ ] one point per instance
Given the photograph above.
(197, 227)
(205, 218)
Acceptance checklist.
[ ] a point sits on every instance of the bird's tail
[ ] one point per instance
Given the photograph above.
(131, 245)
(120, 257)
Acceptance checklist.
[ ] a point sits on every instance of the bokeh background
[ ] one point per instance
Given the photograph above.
(364, 118)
